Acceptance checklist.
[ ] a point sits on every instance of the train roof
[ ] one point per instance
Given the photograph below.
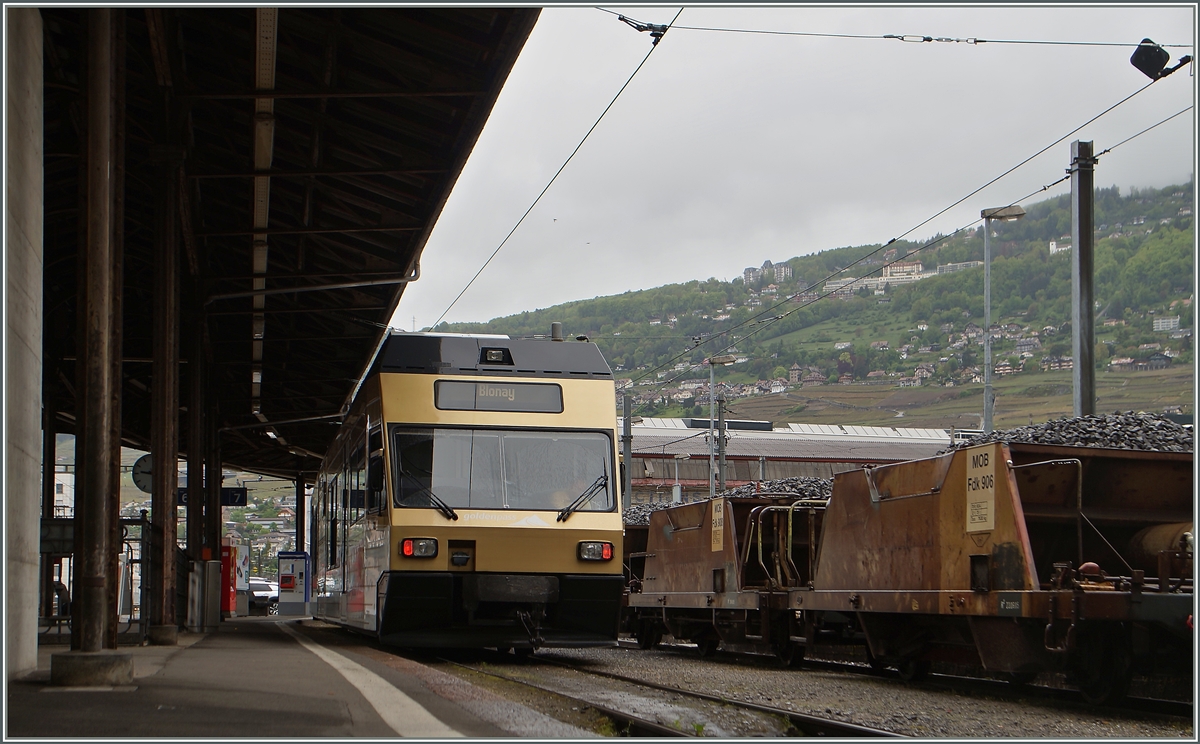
(460, 354)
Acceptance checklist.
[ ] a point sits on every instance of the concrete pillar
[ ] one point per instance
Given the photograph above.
(23, 336)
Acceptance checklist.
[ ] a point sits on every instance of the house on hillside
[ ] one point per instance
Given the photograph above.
(795, 372)
(880, 345)
(1158, 361)
(1052, 363)
(845, 378)
(779, 385)
(812, 379)
(1006, 368)
(1028, 345)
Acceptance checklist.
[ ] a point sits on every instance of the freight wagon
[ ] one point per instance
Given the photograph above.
(1010, 558)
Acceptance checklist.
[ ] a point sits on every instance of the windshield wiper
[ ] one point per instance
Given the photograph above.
(600, 484)
(446, 510)
(442, 506)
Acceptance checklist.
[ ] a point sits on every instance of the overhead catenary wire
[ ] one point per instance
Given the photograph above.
(759, 317)
(1139, 134)
(556, 175)
(766, 324)
(910, 38)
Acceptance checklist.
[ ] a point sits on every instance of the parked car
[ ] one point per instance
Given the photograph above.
(264, 595)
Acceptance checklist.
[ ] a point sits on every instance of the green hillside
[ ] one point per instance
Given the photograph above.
(1144, 267)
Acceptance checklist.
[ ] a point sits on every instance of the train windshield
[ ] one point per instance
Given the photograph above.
(501, 469)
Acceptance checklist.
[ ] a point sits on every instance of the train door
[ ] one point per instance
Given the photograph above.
(375, 557)
(356, 476)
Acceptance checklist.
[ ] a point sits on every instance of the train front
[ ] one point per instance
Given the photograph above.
(505, 526)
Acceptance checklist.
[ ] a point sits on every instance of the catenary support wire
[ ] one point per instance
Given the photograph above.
(653, 46)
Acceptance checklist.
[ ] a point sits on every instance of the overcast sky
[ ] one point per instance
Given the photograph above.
(728, 149)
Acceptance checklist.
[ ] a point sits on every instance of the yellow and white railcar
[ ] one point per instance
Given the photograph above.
(471, 498)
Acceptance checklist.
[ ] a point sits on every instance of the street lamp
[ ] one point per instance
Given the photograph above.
(1010, 213)
(712, 362)
(677, 490)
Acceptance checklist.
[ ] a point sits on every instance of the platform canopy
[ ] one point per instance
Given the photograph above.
(309, 149)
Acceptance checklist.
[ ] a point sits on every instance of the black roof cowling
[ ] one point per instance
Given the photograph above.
(463, 355)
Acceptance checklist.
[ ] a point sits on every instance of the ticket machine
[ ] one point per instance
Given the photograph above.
(294, 584)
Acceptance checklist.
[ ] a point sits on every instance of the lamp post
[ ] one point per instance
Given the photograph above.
(712, 362)
(1010, 213)
(677, 490)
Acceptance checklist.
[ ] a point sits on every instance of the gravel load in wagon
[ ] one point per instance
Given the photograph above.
(802, 487)
(1147, 432)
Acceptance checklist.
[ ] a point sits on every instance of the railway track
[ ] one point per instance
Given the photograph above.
(979, 685)
(800, 724)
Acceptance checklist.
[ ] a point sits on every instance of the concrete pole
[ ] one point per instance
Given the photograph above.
(721, 440)
(627, 452)
(93, 463)
(712, 444)
(989, 395)
(1083, 337)
(23, 226)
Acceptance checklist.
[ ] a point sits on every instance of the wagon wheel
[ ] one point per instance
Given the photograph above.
(874, 661)
(913, 670)
(1103, 665)
(790, 654)
(1019, 679)
(707, 645)
(648, 634)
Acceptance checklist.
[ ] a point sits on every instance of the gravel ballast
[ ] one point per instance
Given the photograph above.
(909, 709)
(806, 488)
(1146, 432)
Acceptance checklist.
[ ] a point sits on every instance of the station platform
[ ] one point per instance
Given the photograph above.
(269, 677)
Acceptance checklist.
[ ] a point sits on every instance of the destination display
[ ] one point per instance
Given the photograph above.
(521, 397)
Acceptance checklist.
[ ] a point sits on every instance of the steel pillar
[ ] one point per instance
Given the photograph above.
(212, 484)
(164, 415)
(94, 461)
(989, 396)
(116, 345)
(300, 513)
(1083, 336)
(196, 449)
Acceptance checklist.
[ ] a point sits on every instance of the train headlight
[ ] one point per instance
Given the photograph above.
(418, 547)
(595, 551)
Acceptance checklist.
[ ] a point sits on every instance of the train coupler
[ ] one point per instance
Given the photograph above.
(532, 622)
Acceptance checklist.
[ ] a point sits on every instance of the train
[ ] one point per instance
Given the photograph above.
(1008, 558)
(472, 497)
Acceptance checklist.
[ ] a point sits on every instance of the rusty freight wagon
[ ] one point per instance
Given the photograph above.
(1011, 558)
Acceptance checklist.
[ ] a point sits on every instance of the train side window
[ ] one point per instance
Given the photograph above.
(375, 475)
(375, 500)
(413, 467)
(334, 484)
(356, 481)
